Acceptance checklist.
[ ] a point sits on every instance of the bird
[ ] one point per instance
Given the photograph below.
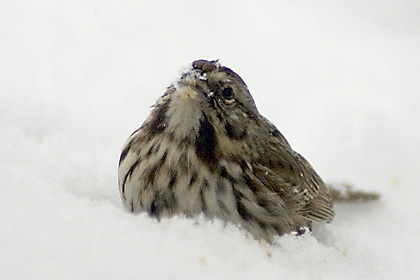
(205, 149)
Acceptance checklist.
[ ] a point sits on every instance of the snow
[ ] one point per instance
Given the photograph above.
(340, 79)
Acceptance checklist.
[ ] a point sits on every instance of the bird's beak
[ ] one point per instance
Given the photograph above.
(193, 86)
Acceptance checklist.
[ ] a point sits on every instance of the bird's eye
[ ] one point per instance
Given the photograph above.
(227, 94)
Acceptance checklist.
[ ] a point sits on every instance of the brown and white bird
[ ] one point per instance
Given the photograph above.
(205, 149)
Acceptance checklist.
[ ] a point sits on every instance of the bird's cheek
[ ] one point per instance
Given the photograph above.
(235, 130)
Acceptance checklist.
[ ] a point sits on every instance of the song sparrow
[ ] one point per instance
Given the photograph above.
(205, 148)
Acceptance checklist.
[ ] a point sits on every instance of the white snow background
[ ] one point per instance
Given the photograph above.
(340, 79)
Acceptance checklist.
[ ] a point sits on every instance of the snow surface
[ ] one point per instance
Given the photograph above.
(339, 78)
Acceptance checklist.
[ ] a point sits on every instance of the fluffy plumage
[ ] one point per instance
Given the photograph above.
(205, 148)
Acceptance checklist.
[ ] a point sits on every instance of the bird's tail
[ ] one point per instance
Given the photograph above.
(344, 193)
